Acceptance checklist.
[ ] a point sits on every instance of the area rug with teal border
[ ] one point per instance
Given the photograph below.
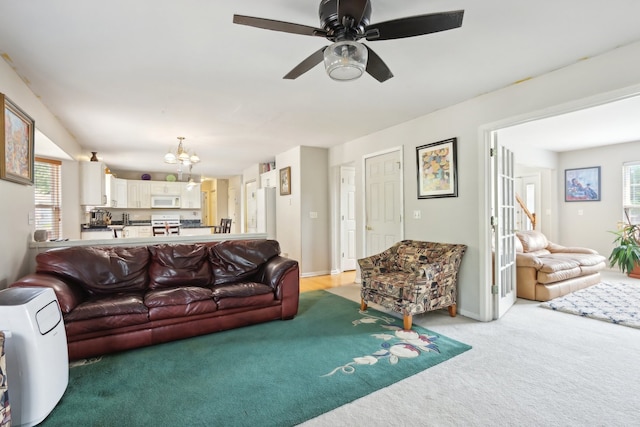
(278, 373)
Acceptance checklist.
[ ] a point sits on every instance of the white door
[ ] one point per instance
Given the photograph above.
(232, 209)
(348, 218)
(383, 201)
(503, 222)
(251, 213)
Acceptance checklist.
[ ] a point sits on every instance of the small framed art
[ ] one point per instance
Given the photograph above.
(285, 181)
(437, 174)
(582, 184)
(16, 143)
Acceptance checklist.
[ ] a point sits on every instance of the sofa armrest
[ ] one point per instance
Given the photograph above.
(528, 260)
(555, 248)
(275, 269)
(68, 294)
(376, 264)
(283, 275)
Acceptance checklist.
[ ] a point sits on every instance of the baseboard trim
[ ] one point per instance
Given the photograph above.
(315, 273)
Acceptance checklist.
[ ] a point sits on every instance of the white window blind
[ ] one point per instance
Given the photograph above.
(47, 196)
(631, 191)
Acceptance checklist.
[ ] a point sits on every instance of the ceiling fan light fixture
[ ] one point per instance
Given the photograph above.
(345, 60)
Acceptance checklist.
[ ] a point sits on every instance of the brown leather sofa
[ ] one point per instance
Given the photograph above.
(118, 298)
(546, 270)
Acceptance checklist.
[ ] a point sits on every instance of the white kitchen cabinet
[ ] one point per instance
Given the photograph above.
(137, 231)
(117, 192)
(166, 188)
(200, 231)
(93, 190)
(97, 235)
(190, 199)
(269, 179)
(138, 194)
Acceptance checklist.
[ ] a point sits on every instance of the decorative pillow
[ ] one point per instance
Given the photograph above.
(174, 265)
(99, 270)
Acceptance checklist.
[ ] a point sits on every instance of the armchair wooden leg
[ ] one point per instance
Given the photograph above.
(452, 310)
(363, 305)
(407, 322)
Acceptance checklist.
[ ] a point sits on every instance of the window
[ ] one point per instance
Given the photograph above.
(47, 196)
(631, 188)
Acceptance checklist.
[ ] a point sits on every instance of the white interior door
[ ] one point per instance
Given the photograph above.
(503, 222)
(251, 214)
(383, 201)
(348, 218)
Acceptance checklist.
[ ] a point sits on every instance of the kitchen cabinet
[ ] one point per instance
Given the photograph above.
(200, 231)
(117, 192)
(138, 194)
(190, 199)
(137, 231)
(97, 235)
(166, 188)
(93, 191)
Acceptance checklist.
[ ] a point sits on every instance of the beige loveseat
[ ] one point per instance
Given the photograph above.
(546, 270)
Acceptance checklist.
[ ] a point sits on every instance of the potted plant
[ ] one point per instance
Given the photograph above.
(626, 253)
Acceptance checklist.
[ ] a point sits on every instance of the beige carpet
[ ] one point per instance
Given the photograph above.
(533, 367)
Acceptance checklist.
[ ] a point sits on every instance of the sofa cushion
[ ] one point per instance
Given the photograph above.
(177, 296)
(179, 302)
(411, 257)
(108, 305)
(174, 265)
(235, 260)
(389, 284)
(99, 270)
(532, 240)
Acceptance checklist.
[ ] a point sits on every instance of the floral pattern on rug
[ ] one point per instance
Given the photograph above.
(617, 303)
(396, 344)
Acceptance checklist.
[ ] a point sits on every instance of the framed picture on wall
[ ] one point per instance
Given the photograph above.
(16, 143)
(582, 184)
(285, 181)
(437, 164)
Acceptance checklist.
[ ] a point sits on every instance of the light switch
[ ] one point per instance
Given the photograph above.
(417, 214)
(580, 212)
(313, 215)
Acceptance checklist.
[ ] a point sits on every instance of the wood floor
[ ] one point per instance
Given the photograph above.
(329, 281)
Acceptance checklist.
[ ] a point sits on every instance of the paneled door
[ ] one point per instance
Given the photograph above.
(384, 224)
(503, 226)
(348, 218)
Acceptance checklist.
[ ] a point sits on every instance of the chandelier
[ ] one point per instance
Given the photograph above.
(181, 157)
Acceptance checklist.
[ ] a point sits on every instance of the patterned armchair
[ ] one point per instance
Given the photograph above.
(412, 277)
(5, 408)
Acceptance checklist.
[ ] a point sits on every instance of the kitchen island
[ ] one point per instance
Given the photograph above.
(136, 241)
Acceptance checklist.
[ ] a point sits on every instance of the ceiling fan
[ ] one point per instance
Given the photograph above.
(344, 22)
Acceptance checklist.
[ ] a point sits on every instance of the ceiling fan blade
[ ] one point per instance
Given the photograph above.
(285, 27)
(352, 8)
(414, 26)
(377, 68)
(314, 59)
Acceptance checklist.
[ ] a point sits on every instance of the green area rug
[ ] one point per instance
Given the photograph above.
(278, 373)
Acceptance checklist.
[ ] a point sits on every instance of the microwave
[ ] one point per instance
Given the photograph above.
(166, 202)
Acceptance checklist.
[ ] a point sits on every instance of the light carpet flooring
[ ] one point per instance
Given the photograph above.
(533, 367)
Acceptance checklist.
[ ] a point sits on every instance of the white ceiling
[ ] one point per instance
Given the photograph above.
(128, 77)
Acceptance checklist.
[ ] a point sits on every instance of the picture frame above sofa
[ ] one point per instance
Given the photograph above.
(582, 184)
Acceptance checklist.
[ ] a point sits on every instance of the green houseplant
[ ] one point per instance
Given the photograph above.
(626, 253)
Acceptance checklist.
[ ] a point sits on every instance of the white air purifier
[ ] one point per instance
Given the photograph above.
(36, 352)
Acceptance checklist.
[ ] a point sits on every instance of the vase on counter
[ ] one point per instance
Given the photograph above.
(94, 157)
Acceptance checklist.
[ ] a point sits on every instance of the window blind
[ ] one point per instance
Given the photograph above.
(47, 196)
(631, 190)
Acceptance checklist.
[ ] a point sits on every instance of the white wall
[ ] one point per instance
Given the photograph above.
(18, 199)
(288, 208)
(591, 228)
(465, 219)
